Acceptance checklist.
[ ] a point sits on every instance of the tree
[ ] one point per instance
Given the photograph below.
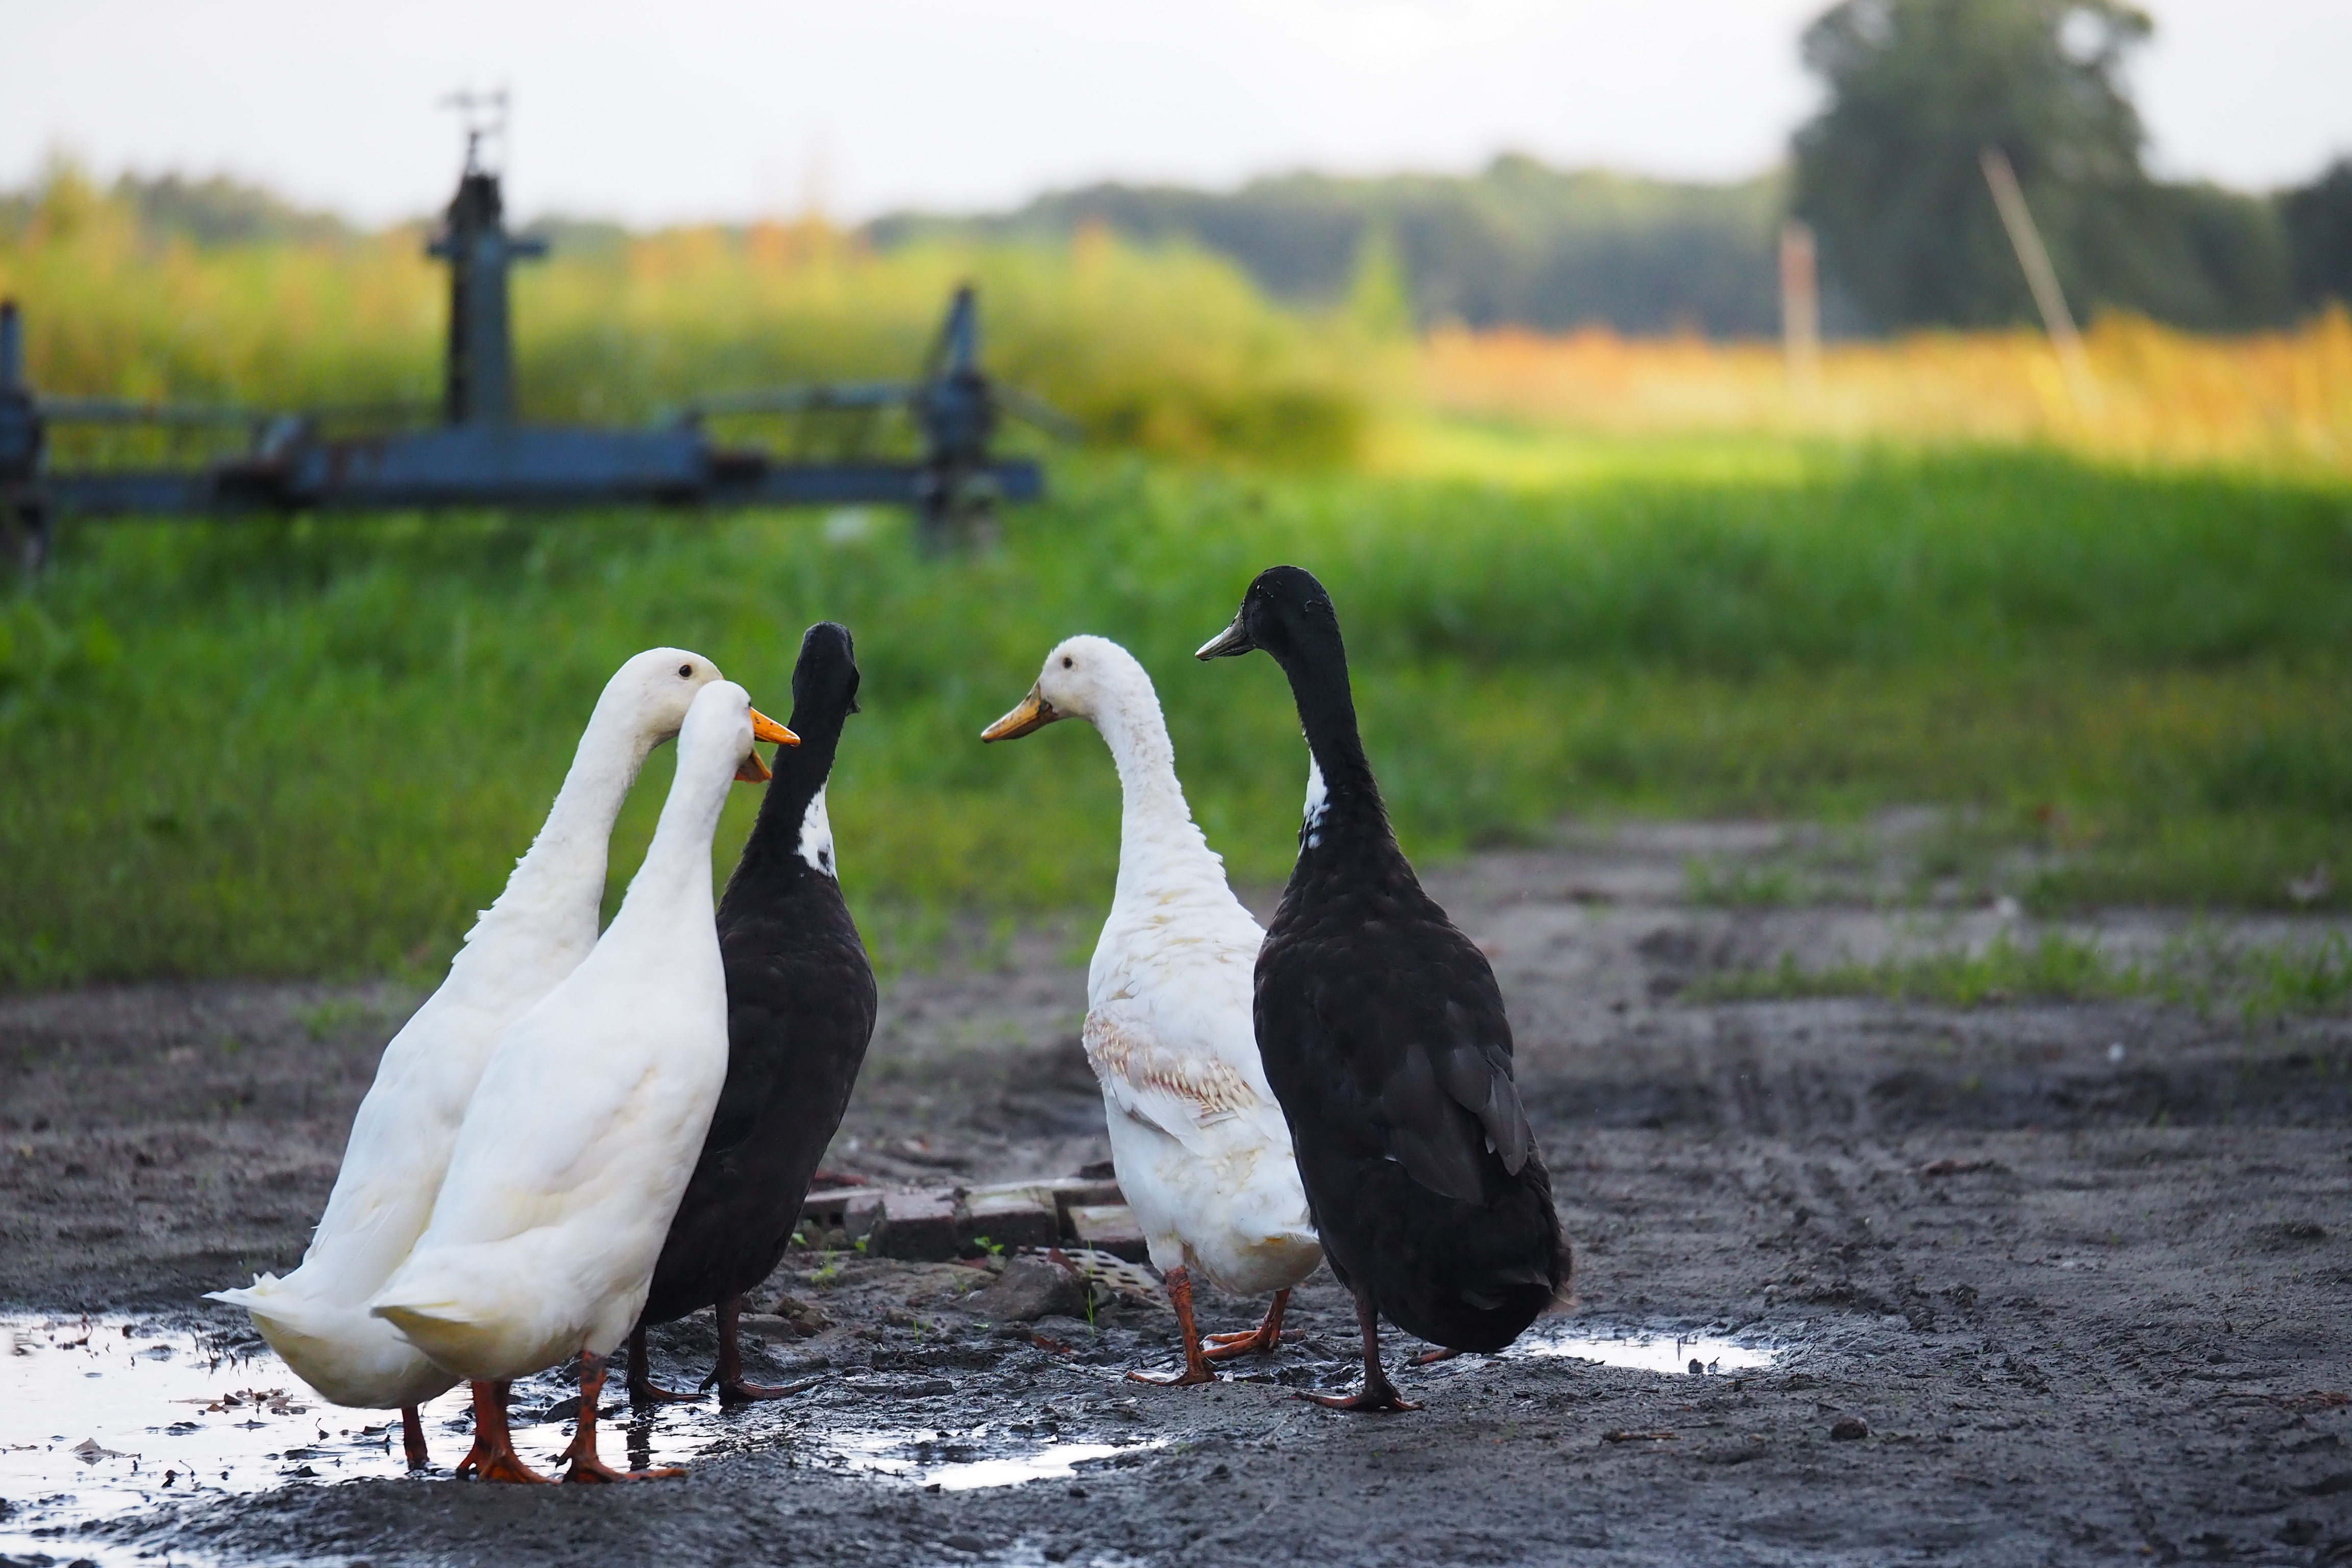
(1888, 174)
(2318, 220)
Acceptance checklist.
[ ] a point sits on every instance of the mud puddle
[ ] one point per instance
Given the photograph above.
(960, 1462)
(107, 1417)
(1677, 1356)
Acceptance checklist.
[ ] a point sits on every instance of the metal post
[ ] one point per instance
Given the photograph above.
(478, 383)
(11, 347)
(21, 438)
(2040, 277)
(957, 410)
(1800, 308)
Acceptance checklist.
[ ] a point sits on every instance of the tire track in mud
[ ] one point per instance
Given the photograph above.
(1800, 1124)
(1843, 1190)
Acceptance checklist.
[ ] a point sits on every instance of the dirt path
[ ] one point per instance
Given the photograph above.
(2085, 1274)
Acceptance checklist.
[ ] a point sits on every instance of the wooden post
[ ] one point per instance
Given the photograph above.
(1800, 308)
(2040, 277)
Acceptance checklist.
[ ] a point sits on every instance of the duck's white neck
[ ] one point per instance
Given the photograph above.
(558, 886)
(671, 891)
(1161, 850)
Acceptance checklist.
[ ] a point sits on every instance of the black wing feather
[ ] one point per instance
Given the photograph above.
(1428, 1051)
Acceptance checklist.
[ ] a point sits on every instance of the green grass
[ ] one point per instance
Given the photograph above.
(314, 747)
(2261, 981)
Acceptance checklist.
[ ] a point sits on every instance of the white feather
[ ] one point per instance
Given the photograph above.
(1202, 1150)
(1316, 800)
(542, 925)
(591, 1114)
(816, 836)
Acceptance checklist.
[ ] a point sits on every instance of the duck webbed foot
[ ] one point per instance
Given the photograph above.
(732, 1390)
(1197, 1369)
(586, 1467)
(493, 1457)
(643, 1389)
(1378, 1393)
(1260, 1341)
(412, 1438)
(1433, 1356)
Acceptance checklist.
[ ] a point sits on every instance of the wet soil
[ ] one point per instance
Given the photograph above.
(2044, 1283)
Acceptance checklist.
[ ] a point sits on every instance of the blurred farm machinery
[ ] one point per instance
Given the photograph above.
(481, 454)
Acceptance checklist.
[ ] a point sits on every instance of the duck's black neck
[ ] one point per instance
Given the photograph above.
(773, 849)
(1326, 712)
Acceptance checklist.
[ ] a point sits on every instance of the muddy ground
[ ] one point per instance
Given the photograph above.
(2083, 1272)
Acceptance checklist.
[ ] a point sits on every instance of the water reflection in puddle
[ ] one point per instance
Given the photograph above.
(962, 1461)
(1644, 1351)
(119, 1418)
(101, 1418)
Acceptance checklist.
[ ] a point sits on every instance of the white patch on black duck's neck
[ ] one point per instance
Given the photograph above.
(816, 838)
(1318, 801)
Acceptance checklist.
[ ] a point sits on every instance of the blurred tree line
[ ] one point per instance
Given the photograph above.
(1888, 174)
(214, 211)
(1518, 244)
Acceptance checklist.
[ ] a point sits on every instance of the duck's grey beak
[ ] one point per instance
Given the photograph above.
(1033, 713)
(1227, 644)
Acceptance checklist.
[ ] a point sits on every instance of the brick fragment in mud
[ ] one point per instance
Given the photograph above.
(826, 1208)
(1011, 1218)
(1110, 1227)
(1081, 1192)
(839, 1217)
(915, 1227)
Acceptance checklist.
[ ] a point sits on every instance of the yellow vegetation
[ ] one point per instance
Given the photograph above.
(1167, 349)
(1171, 349)
(2272, 399)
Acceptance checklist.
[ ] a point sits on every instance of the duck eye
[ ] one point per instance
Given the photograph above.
(685, 671)
(1067, 661)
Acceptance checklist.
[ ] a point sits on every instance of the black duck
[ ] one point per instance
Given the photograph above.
(1383, 1035)
(799, 1010)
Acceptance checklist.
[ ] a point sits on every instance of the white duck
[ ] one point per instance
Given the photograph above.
(585, 1127)
(537, 932)
(1198, 1138)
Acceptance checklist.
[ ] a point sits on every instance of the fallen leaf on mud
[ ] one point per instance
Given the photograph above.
(1637, 1437)
(1959, 1167)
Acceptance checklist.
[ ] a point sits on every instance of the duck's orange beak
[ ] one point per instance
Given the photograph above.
(764, 728)
(1033, 713)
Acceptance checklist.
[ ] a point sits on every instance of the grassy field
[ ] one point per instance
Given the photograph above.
(2260, 981)
(314, 748)
(1578, 576)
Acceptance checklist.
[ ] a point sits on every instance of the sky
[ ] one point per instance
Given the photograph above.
(738, 109)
